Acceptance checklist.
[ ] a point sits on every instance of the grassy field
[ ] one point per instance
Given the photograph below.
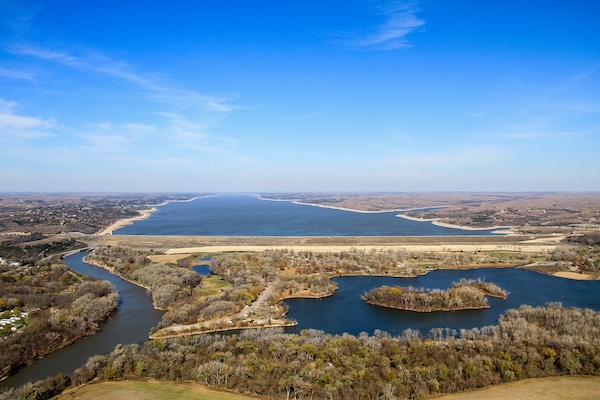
(151, 390)
(556, 388)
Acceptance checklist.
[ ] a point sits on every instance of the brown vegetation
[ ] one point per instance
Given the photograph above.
(467, 294)
(52, 213)
(526, 343)
(62, 307)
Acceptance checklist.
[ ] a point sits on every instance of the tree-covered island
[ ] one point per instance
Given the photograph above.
(466, 294)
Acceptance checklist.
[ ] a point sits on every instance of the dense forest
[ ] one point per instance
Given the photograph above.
(526, 343)
(29, 249)
(466, 294)
(60, 305)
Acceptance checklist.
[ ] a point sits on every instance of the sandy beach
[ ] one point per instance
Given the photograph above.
(435, 221)
(144, 214)
(573, 275)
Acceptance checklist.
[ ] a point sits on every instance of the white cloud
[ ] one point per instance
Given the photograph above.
(20, 127)
(400, 20)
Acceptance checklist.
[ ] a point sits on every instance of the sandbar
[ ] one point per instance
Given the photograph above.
(573, 275)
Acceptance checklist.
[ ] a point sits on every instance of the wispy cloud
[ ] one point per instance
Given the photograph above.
(528, 112)
(97, 63)
(185, 116)
(400, 19)
(24, 128)
(16, 74)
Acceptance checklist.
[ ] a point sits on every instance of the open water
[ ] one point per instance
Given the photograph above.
(346, 312)
(245, 215)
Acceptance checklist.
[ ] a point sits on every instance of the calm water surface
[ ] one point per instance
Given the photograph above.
(244, 215)
(346, 312)
(130, 324)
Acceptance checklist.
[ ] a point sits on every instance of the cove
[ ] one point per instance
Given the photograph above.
(245, 215)
(130, 324)
(345, 312)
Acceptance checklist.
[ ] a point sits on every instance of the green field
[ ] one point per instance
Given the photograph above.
(149, 390)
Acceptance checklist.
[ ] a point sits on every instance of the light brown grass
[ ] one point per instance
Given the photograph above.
(150, 390)
(555, 388)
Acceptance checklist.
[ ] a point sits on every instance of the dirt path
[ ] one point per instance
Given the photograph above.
(258, 308)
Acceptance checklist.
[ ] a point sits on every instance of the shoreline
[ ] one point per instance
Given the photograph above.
(573, 275)
(144, 214)
(482, 307)
(437, 222)
(215, 330)
(301, 203)
(113, 272)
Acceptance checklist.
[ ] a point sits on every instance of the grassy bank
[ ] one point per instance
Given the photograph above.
(555, 388)
(147, 390)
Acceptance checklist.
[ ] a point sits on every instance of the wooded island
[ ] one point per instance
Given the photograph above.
(466, 294)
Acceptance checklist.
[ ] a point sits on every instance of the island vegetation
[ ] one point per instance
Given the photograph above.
(466, 294)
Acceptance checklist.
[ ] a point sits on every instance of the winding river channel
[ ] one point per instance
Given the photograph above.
(342, 312)
(130, 324)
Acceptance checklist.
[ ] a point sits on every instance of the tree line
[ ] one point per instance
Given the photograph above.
(527, 343)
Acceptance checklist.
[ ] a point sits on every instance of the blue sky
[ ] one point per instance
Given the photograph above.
(254, 96)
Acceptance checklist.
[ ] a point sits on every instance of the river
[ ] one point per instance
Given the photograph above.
(130, 324)
(342, 312)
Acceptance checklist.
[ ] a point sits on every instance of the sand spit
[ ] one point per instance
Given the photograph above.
(573, 275)
(435, 221)
(301, 203)
(144, 214)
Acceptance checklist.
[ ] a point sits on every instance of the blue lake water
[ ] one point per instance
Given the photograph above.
(244, 215)
(346, 312)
